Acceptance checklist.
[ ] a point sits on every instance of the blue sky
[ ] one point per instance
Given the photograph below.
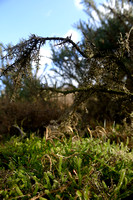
(20, 18)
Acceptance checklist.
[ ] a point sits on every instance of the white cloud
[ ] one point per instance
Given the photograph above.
(75, 36)
(78, 4)
(112, 4)
(106, 11)
(94, 15)
(45, 54)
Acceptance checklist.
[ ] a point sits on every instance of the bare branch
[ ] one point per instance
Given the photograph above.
(26, 51)
(90, 89)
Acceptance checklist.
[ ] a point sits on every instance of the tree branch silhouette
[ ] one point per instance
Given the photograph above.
(28, 50)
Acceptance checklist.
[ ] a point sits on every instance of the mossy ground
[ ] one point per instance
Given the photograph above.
(66, 168)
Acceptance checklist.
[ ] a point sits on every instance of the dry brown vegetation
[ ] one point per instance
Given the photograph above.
(31, 116)
(45, 118)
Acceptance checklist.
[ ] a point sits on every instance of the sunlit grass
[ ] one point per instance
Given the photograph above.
(84, 168)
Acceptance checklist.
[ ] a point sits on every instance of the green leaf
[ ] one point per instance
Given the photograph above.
(60, 164)
(79, 194)
(86, 193)
(41, 198)
(47, 180)
(122, 176)
(36, 189)
(19, 192)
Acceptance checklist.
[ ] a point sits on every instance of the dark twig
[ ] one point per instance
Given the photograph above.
(92, 89)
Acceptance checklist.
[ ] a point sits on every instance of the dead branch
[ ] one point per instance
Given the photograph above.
(27, 50)
(91, 90)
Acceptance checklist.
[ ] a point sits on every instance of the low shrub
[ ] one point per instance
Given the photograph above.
(32, 116)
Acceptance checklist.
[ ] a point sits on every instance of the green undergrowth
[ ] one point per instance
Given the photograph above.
(73, 169)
